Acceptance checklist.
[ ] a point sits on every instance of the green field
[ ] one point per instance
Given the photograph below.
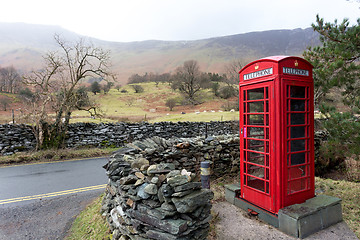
(150, 106)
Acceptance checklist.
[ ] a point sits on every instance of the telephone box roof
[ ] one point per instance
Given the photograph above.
(276, 59)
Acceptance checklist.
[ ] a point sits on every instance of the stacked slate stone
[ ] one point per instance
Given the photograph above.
(145, 201)
(117, 134)
(221, 151)
(16, 138)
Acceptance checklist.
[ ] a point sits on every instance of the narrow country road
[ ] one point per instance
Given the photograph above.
(40, 201)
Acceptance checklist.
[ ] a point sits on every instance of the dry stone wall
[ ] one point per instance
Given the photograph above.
(153, 193)
(15, 138)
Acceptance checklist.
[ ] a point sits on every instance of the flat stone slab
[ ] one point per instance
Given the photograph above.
(317, 213)
(298, 220)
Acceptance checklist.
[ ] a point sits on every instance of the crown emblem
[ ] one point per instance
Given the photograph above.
(256, 67)
(296, 63)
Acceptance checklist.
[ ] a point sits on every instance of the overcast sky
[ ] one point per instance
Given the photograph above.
(137, 20)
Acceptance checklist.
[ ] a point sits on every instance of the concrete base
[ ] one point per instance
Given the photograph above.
(298, 220)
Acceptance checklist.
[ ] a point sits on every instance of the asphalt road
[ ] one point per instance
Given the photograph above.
(40, 201)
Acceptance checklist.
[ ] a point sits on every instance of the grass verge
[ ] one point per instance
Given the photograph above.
(90, 224)
(53, 155)
(349, 192)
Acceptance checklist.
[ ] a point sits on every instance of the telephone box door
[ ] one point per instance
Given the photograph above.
(255, 144)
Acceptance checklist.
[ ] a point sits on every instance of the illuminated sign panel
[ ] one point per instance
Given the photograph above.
(257, 74)
(294, 71)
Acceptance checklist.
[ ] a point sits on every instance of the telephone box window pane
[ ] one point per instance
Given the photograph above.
(267, 106)
(297, 145)
(296, 185)
(256, 171)
(297, 92)
(255, 132)
(266, 92)
(257, 158)
(255, 145)
(267, 187)
(255, 107)
(297, 118)
(297, 132)
(297, 172)
(256, 183)
(297, 158)
(297, 105)
(257, 119)
(267, 160)
(255, 94)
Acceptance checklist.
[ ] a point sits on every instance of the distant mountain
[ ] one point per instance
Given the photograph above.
(22, 46)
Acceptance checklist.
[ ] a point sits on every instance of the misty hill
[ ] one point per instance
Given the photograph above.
(22, 46)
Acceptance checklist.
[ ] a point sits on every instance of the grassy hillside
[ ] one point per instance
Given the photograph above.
(146, 106)
(150, 106)
(22, 45)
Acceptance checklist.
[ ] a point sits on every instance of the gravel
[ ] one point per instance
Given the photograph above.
(234, 224)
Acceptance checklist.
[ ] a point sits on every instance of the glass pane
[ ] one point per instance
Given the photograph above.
(297, 145)
(256, 171)
(257, 119)
(297, 105)
(257, 158)
(296, 185)
(256, 183)
(256, 145)
(257, 93)
(267, 187)
(297, 92)
(297, 158)
(297, 118)
(267, 160)
(255, 107)
(297, 172)
(266, 92)
(297, 132)
(255, 132)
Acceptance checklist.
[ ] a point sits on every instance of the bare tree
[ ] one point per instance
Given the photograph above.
(5, 102)
(9, 80)
(188, 79)
(171, 103)
(232, 71)
(56, 87)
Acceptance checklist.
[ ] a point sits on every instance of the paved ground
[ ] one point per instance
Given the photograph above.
(233, 224)
(49, 218)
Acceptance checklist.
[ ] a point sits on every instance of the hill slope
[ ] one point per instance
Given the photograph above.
(22, 46)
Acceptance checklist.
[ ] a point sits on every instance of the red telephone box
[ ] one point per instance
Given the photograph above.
(276, 132)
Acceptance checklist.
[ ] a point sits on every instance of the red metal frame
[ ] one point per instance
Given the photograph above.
(276, 132)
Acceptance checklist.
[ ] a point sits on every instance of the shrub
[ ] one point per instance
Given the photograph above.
(171, 103)
(343, 142)
(138, 88)
(227, 92)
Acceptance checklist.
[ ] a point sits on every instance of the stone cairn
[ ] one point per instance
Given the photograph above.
(147, 200)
